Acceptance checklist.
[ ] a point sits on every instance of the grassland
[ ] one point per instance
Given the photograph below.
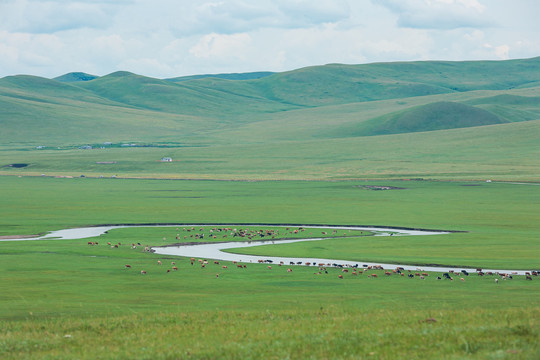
(62, 298)
(319, 137)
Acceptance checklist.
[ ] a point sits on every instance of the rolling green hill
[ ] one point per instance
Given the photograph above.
(75, 76)
(439, 115)
(226, 119)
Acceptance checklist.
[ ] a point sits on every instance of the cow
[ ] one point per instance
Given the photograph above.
(143, 272)
(127, 266)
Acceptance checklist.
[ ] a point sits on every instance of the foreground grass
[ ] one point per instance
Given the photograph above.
(326, 333)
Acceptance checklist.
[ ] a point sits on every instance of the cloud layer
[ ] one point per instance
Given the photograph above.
(168, 38)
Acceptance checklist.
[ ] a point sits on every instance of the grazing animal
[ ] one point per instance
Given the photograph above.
(462, 279)
(159, 262)
(340, 276)
(224, 267)
(175, 268)
(269, 267)
(289, 270)
(496, 281)
(373, 275)
(217, 275)
(143, 272)
(439, 278)
(528, 277)
(127, 266)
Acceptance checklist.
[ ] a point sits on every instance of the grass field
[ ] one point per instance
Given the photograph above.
(66, 299)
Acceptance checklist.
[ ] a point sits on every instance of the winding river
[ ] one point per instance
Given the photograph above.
(215, 251)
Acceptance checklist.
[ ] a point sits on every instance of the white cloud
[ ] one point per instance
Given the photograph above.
(221, 46)
(501, 51)
(53, 16)
(438, 14)
(169, 38)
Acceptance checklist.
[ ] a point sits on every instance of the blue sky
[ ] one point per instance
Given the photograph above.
(169, 38)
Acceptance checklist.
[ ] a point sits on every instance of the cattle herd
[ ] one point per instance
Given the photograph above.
(354, 270)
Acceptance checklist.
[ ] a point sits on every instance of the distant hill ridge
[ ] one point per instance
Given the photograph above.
(333, 100)
(75, 76)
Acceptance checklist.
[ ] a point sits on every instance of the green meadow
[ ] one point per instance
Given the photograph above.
(425, 145)
(62, 298)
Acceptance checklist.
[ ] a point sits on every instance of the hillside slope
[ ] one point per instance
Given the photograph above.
(299, 112)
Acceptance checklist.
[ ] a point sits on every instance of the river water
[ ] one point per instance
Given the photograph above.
(215, 251)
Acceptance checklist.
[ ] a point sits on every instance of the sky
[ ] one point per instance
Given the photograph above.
(170, 38)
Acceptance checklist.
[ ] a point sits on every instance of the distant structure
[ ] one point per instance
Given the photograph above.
(166, 159)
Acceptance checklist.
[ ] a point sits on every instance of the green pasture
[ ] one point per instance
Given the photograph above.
(507, 152)
(499, 220)
(65, 298)
(394, 145)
